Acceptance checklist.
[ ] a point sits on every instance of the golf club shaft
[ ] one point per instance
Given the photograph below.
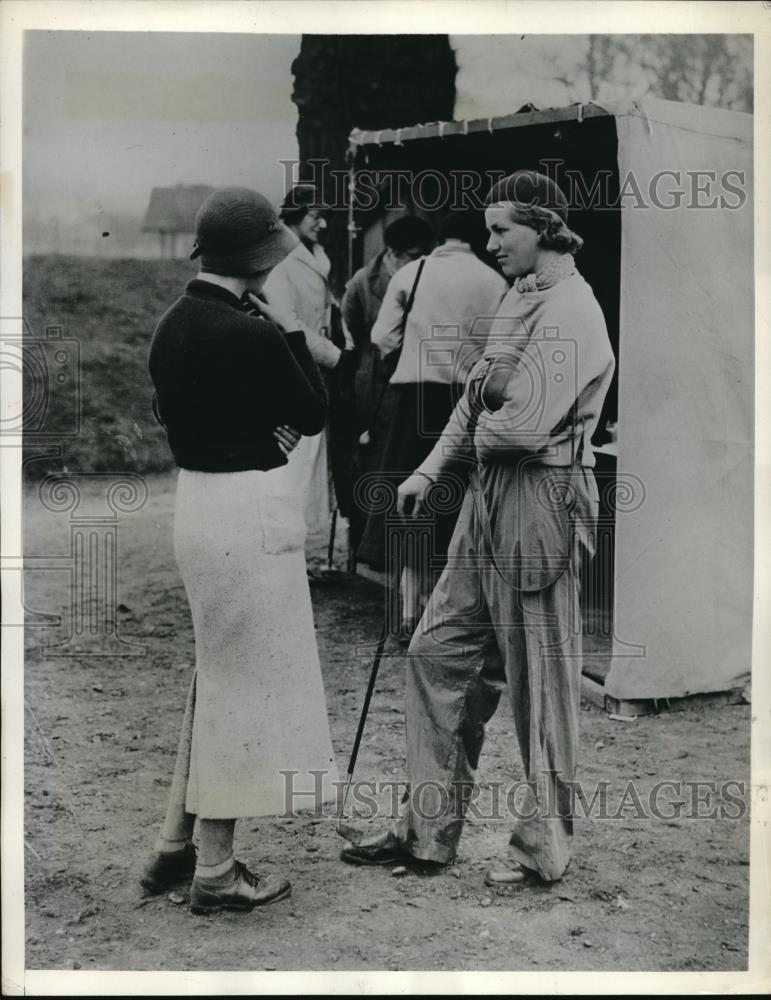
(365, 709)
(368, 697)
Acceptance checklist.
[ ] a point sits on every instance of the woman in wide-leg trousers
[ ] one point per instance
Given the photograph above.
(504, 619)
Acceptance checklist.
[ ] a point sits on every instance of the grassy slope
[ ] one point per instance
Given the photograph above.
(111, 308)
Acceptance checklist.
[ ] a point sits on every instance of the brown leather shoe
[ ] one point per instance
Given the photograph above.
(243, 890)
(164, 871)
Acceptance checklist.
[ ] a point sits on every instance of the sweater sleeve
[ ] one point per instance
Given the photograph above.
(536, 397)
(546, 381)
(353, 313)
(296, 382)
(387, 331)
(456, 444)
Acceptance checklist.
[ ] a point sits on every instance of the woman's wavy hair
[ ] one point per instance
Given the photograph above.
(553, 232)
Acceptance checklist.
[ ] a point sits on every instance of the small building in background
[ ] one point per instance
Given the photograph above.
(171, 214)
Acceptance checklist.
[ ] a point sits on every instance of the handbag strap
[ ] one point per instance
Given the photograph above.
(402, 328)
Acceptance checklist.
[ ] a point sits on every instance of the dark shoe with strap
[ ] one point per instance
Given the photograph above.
(164, 871)
(240, 890)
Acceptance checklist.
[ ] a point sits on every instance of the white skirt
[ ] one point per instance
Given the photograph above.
(257, 721)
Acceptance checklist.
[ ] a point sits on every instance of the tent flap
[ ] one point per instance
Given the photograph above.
(684, 551)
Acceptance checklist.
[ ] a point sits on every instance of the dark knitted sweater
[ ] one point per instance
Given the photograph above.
(225, 380)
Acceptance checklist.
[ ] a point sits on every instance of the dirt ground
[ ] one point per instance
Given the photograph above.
(641, 894)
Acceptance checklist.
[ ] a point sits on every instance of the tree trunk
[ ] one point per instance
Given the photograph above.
(369, 82)
(591, 67)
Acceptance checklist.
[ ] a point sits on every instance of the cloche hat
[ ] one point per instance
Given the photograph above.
(237, 232)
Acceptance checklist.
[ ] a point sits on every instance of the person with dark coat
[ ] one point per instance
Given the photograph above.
(406, 239)
(437, 340)
(235, 392)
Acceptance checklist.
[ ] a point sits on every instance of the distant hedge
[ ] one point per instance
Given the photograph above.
(109, 308)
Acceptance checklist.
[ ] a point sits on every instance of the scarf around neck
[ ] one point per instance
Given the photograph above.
(562, 267)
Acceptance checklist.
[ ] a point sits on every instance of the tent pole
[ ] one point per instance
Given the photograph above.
(351, 221)
(351, 561)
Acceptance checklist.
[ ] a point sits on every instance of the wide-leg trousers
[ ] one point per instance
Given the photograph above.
(482, 638)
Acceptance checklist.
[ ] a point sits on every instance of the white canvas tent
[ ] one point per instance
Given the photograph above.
(674, 274)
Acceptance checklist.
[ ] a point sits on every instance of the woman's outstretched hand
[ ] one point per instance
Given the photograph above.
(287, 437)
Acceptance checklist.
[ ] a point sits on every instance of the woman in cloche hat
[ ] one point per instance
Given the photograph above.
(234, 392)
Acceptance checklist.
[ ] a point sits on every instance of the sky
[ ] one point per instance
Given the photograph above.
(109, 115)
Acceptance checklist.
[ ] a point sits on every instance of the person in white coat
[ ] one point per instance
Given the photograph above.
(299, 288)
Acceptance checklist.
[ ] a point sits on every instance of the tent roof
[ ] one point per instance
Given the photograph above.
(528, 115)
(693, 117)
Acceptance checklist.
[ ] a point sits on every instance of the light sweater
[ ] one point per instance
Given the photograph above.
(555, 346)
(455, 300)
